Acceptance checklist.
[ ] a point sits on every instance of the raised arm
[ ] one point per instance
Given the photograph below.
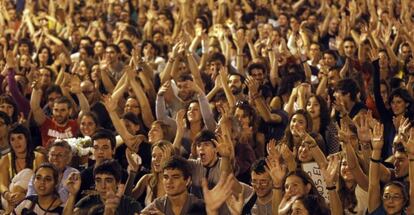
(38, 114)
(72, 185)
(374, 189)
(330, 175)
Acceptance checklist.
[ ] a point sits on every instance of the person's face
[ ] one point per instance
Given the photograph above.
(184, 89)
(83, 69)
(333, 26)
(90, 14)
(384, 93)
(235, 84)
(44, 182)
(155, 133)
(401, 164)
(131, 127)
(393, 199)
(18, 143)
(312, 20)
(298, 121)
(174, 182)
(283, 21)
(61, 113)
(207, 153)
(349, 49)
(298, 208)
(104, 183)
(95, 73)
(87, 126)
(84, 43)
(294, 23)
(25, 61)
(215, 66)
(345, 171)
(294, 186)
(24, 49)
(193, 112)
(405, 51)
(333, 77)
(60, 157)
(98, 48)
(313, 107)
(262, 184)
(158, 157)
(111, 55)
(88, 90)
(314, 51)
(329, 60)
(43, 56)
(102, 150)
(342, 96)
(45, 79)
(304, 154)
(132, 106)
(242, 117)
(51, 99)
(149, 51)
(398, 105)
(410, 66)
(258, 75)
(7, 108)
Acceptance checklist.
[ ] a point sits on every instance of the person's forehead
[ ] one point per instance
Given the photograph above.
(57, 149)
(263, 175)
(104, 176)
(60, 105)
(173, 172)
(102, 141)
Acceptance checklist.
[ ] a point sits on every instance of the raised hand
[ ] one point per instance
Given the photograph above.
(109, 103)
(164, 88)
(330, 174)
(224, 146)
(364, 132)
(239, 39)
(215, 197)
(252, 85)
(134, 160)
(73, 183)
(180, 120)
(409, 145)
(277, 172)
(75, 83)
(235, 203)
(377, 136)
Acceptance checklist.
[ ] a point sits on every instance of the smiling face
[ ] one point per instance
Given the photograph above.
(87, 126)
(401, 164)
(294, 186)
(262, 184)
(304, 154)
(155, 133)
(398, 105)
(193, 112)
(393, 199)
(345, 171)
(132, 106)
(60, 157)
(44, 182)
(61, 113)
(298, 121)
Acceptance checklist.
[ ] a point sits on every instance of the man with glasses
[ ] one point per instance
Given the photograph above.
(60, 155)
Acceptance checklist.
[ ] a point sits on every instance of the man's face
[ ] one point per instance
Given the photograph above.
(405, 51)
(102, 150)
(349, 49)
(61, 113)
(184, 89)
(235, 84)
(111, 55)
(258, 75)
(207, 153)
(262, 184)
(44, 182)
(401, 164)
(174, 182)
(105, 183)
(215, 66)
(60, 157)
(329, 60)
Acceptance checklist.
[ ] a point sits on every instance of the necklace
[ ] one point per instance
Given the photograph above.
(51, 204)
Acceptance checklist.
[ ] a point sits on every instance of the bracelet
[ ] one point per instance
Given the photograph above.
(331, 188)
(375, 161)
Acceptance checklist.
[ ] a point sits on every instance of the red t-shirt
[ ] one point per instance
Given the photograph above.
(51, 131)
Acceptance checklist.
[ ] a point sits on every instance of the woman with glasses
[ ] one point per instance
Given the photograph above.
(47, 201)
(16, 167)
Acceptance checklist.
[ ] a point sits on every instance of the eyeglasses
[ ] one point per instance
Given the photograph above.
(391, 197)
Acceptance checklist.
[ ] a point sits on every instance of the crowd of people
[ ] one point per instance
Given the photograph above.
(172, 107)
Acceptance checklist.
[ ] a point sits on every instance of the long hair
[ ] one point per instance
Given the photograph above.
(30, 155)
(167, 149)
(288, 132)
(347, 195)
(404, 95)
(9, 100)
(324, 113)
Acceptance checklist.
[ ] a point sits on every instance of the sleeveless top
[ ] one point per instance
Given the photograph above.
(12, 172)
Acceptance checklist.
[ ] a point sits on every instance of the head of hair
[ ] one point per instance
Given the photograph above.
(403, 189)
(64, 100)
(314, 204)
(404, 95)
(348, 85)
(53, 89)
(217, 56)
(178, 163)
(154, 46)
(10, 100)
(304, 177)
(62, 143)
(105, 134)
(325, 119)
(30, 156)
(5, 118)
(109, 167)
(52, 167)
(115, 47)
(49, 60)
(92, 115)
(258, 166)
(256, 66)
(28, 42)
(204, 136)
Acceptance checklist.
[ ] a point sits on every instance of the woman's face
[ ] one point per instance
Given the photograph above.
(383, 59)
(393, 199)
(298, 208)
(193, 112)
(18, 143)
(313, 107)
(294, 186)
(346, 173)
(158, 157)
(43, 56)
(44, 182)
(45, 77)
(7, 108)
(95, 73)
(25, 61)
(242, 117)
(87, 126)
(398, 105)
(298, 122)
(98, 48)
(304, 155)
(131, 127)
(23, 49)
(83, 69)
(132, 106)
(149, 51)
(155, 133)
